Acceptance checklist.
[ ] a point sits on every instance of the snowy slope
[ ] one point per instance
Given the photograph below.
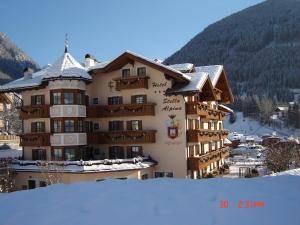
(156, 201)
(294, 172)
(249, 126)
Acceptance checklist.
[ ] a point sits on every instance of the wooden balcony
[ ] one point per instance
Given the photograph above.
(34, 111)
(35, 139)
(224, 134)
(203, 135)
(146, 109)
(131, 82)
(202, 161)
(122, 137)
(197, 108)
(203, 110)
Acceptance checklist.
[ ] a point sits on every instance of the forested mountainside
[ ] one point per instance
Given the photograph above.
(259, 46)
(12, 60)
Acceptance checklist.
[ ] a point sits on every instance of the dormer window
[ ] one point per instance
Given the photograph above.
(125, 72)
(141, 71)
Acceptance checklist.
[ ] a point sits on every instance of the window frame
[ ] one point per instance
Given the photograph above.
(144, 71)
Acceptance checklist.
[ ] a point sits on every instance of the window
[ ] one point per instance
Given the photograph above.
(38, 154)
(69, 126)
(116, 152)
(57, 126)
(37, 127)
(95, 101)
(80, 126)
(134, 125)
(96, 126)
(159, 174)
(115, 125)
(37, 100)
(138, 99)
(141, 71)
(68, 98)
(115, 100)
(43, 184)
(80, 98)
(134, 151)
(125, 72)
(56, 98)
(31, 184)
(169, 174)
(70, 154)
(57, 154)
(144, 176)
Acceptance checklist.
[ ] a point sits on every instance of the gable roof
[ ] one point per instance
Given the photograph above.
(130, 57)
(65, 67)
(183, 67)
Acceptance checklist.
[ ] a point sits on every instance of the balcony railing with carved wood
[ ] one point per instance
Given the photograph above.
(35, 139)
(203, 110)
(203, 135)
(122, 137)
(145, 109)
(202, 161)
(34, 111)
(131, 82)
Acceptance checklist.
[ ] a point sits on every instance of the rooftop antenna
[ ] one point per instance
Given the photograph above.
(66, 43)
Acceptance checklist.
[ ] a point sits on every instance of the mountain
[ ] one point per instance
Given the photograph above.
(259, 46)
(12, 60)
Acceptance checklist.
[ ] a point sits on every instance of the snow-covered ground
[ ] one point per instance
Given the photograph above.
(249, 126)
(157, 201)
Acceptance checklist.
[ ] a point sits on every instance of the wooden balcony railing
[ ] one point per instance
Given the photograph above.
(203, 135)
(145, 109)
(34, 111)
(204, 111)
(202, 161)
(131, 82)
(122, 137)
(35, 139)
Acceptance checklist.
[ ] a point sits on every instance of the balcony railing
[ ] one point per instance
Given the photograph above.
(203, 135)
(122, 137)
(35, 139)
(131, 82)
(204, 111)
(202, 161)
(145, 109)
(34, 111)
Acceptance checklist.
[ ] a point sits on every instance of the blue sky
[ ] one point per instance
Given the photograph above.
(155, 28)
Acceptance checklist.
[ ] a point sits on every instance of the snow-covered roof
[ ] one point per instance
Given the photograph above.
(65, 67)
(225, 108)
(88, 166)
(214, 72)
(183, 67)
(98, 65)
(196, 83)
(282, 108)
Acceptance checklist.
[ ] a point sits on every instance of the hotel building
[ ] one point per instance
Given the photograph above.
(130, 117)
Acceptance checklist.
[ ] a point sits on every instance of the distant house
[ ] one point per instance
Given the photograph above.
(281, 112)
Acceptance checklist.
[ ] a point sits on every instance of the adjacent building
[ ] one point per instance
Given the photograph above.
(130, 117)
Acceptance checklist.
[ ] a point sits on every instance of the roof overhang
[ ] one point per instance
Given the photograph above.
(128, 57)
(223, 85)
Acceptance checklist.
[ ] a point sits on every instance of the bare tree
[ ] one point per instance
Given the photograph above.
(52, 172)
(283, 156)
(7, 181)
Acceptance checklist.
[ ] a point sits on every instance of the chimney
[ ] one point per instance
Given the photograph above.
(27, 73)
(89, 60)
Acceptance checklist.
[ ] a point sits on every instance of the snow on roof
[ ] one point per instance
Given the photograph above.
(196, 83)
(225, 108)
(89, 166)
(157, 201)
(182, 67)
(293, 172)
(282, 108)
(65, 67)
(98, 65)
(227, 141)
(214, 72)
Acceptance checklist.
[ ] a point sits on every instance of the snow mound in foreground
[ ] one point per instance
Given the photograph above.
(156, 201)
(294, 172)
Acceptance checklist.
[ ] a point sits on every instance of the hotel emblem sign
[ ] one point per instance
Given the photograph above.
(172, 127)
